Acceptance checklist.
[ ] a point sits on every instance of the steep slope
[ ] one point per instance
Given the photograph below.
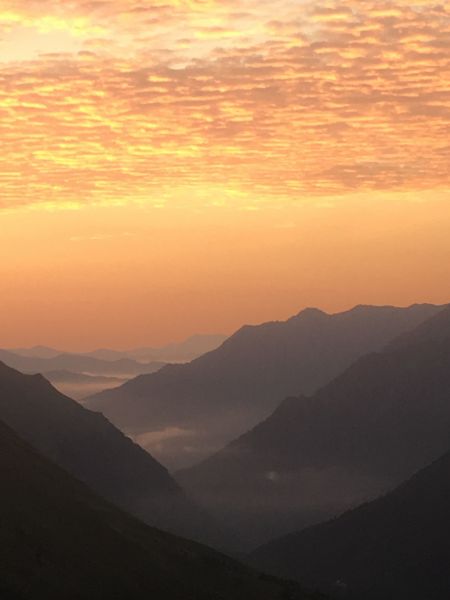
(395, 547)
(58, 540)
(88, 446)
(223, 393)
(385, 417)
(188, 350)
(78, 364)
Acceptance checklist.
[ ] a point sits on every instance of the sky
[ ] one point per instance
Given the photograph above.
(179, 166)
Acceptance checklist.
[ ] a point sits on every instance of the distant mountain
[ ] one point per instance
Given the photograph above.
(88, 446)
(125, 367)
(184, 351)
(36, 352)
(221, 394)
(395, 547)
(60, 541)
(78, 385)
(370, 428)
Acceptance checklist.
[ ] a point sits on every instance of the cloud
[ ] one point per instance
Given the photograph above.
(149, 101)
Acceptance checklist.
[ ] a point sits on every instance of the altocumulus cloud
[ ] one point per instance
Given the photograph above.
(278, 100)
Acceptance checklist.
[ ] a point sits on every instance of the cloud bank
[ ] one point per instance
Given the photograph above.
(115, 102)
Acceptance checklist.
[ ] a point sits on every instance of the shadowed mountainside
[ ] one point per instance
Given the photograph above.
(395, 547)
(223, 393)
(314, 457)
(60, 541)
(87, 445)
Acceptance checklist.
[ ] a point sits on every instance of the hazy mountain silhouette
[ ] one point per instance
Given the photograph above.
(395, 547)
(60, 541)
(436, 329)
(77, 363)
(370, 428)
(93, 450)
(223, 393)
(184, 351)
(36, 352)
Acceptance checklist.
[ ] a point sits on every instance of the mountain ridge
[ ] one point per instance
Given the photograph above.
(397, 546)
(87, 445)
(59, 540)
(188, 349)
(230, 389)
(77, 363)
(380, 420)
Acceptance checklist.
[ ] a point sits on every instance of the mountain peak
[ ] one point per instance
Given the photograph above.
(310, 312)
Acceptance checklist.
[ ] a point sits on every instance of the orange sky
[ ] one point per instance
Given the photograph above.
(187, 166)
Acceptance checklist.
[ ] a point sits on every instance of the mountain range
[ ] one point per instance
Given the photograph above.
(124, 367)
(58, 540)
(89, 447)
(338, 451)
(397, 546)
(204, 404)
(374, 425)
(184, 351)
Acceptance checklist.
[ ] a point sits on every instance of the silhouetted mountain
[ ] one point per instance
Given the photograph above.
(395, 547)
(79, 385)
(184, 351)
(370, 428)
(36, 352)
(60, 541)
(78, 364)
(436, 329)
(88, 446)
(223, 393)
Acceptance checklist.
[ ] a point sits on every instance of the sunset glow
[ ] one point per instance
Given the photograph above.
(190, 165)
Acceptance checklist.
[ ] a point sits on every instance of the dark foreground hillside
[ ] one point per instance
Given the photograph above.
(89, 447)
(396, 547)
(59, 541)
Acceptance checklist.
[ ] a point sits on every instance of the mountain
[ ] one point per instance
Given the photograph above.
(189, 349)
(370, 428)
(397, 546)
(94, 451)
(77, 363)
(184, 351)
(58, 540)
(78, 385)
(36, 352)
(198, 407)
(436, 329)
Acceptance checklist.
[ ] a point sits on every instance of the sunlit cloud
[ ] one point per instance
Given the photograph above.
(239, 103)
